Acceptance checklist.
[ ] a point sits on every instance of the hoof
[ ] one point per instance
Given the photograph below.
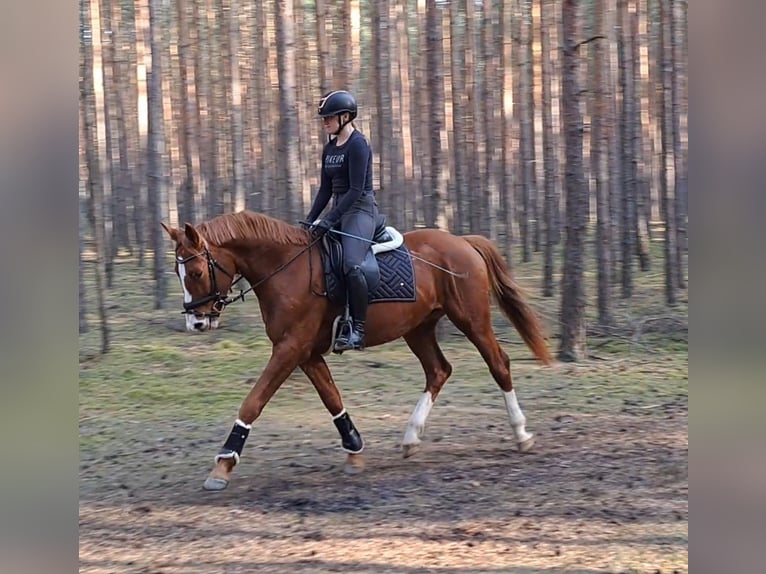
(410, 449)
(354, 464)
(527, 445)
(215, 484)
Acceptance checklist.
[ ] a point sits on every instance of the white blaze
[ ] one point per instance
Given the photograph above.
(417, 421)
(182, 277)
(191, 320)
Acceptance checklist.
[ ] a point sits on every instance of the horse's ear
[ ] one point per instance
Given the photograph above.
(193, 235)
(172, 231)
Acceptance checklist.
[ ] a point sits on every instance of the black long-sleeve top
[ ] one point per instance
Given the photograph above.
(346, 177)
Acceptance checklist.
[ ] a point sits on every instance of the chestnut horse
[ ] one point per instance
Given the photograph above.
(454, 276)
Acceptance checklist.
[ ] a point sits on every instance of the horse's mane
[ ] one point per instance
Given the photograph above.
(248, 224)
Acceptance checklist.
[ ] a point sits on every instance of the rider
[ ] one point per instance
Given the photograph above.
(347, 178)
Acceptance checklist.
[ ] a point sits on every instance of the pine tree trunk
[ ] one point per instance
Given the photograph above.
(289, 185)
(549, 148)
(614, 128)
(141, 212)
(438, 176)
(111, 134)
(121, 88)
(323, 48)
(531, 240)
(237, 132)
(216, 102)
(457, 43)
(599, 147)
(521, 193)
(666, 111)
(101, 89)
(82, 205)
(507, 180)
(170, 78)
(83, 291)
(677, 67)
(573, 342)
(193, 187)
(404, 215)
(383, 89)
(260, 102)
(628, 202)
(491, 103)
(355, 37)
(640, 181)
(95, 181)
(222, 88)
(395, 196)
(156, 193)
(470, 115)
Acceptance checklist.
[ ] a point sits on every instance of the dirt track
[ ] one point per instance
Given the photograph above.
(604, 492)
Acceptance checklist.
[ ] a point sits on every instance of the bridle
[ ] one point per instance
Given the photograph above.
(215, 295)
(220, 300)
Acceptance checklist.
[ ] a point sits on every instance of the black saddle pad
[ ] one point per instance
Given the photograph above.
(397, 279)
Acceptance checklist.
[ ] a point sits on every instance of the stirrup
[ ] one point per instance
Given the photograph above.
(345, 344)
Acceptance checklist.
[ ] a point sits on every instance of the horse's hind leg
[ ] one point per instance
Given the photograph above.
(437, 369)
(317, 371)
(478, 328)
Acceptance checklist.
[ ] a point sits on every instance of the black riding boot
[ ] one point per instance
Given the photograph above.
(356, 285)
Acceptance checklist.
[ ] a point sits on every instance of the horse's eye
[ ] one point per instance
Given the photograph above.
(196, 274)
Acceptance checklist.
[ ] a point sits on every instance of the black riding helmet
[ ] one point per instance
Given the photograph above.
(337, 102)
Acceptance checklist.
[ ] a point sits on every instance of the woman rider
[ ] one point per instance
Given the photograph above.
(347, 179)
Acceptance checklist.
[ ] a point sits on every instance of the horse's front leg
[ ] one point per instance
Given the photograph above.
(283, 361)
(317, 371)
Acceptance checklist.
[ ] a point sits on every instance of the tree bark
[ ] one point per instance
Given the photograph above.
(289, 157)
(573, 342)
(531, 239)
(599, 157)
(237, 132)
(679, 165)
(156, 192)
(628, 203)
(95, 180)
(549, 149)
(438, 176)
(666, 111)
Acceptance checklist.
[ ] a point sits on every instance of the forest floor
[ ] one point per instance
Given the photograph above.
(605, 490)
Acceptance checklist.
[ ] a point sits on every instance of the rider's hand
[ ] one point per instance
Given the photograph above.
(319, 228)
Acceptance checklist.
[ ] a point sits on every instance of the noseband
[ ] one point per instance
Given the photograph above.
(220, 301)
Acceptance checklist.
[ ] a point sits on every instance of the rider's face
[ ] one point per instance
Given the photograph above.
(331, 124)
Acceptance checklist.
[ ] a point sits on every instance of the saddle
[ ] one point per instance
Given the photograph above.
(387, 267)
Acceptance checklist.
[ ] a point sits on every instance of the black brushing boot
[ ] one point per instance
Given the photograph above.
(353, 339)
(351, 440)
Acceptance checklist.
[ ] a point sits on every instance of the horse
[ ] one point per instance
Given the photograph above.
(454, 276)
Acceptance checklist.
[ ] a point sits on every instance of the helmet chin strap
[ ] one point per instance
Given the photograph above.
(341, 125)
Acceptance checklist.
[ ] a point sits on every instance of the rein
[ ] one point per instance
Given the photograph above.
(222, 302)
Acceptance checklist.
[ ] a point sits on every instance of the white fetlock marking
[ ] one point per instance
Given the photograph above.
(518, 420)
(417, 421)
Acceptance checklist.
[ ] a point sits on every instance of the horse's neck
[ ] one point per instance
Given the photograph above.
(258, 259)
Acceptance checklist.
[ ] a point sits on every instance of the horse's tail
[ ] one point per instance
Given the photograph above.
(510, 298)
